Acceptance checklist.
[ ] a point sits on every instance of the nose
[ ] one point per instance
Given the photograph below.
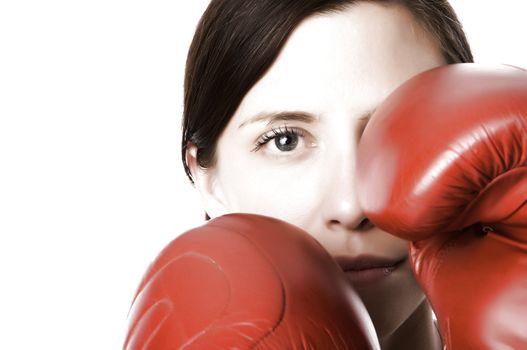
(344, 214)
(341, 209)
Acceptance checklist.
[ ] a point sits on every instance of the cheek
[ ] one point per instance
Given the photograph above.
(284, 191)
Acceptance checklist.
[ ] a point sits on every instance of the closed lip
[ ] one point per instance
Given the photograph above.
(366, 262)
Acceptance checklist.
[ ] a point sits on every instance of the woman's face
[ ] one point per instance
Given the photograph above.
(290, 149)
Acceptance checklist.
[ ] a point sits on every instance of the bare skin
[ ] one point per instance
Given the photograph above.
(335, 70)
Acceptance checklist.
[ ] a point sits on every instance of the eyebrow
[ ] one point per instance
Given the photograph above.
(272, 117)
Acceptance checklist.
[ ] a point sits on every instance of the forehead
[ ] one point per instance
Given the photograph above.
(365, 50)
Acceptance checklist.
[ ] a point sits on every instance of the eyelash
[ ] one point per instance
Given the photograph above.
(277, 132)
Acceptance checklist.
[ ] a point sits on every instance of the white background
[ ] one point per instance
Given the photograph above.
(91, 181)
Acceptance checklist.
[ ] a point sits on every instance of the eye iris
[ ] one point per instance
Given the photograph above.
(286, 143)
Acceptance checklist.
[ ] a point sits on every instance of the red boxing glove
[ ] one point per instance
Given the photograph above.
(443, 163)
(245, 281)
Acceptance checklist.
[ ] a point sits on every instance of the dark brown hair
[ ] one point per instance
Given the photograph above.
(236, 42)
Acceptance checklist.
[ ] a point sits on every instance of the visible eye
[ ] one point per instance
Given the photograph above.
(285, 139)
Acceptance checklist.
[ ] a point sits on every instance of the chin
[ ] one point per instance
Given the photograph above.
(391, 303)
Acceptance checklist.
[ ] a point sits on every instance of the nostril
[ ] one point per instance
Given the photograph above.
(365, 224)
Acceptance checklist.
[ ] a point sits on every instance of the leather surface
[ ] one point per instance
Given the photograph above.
(245, 281)
(443, 163)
